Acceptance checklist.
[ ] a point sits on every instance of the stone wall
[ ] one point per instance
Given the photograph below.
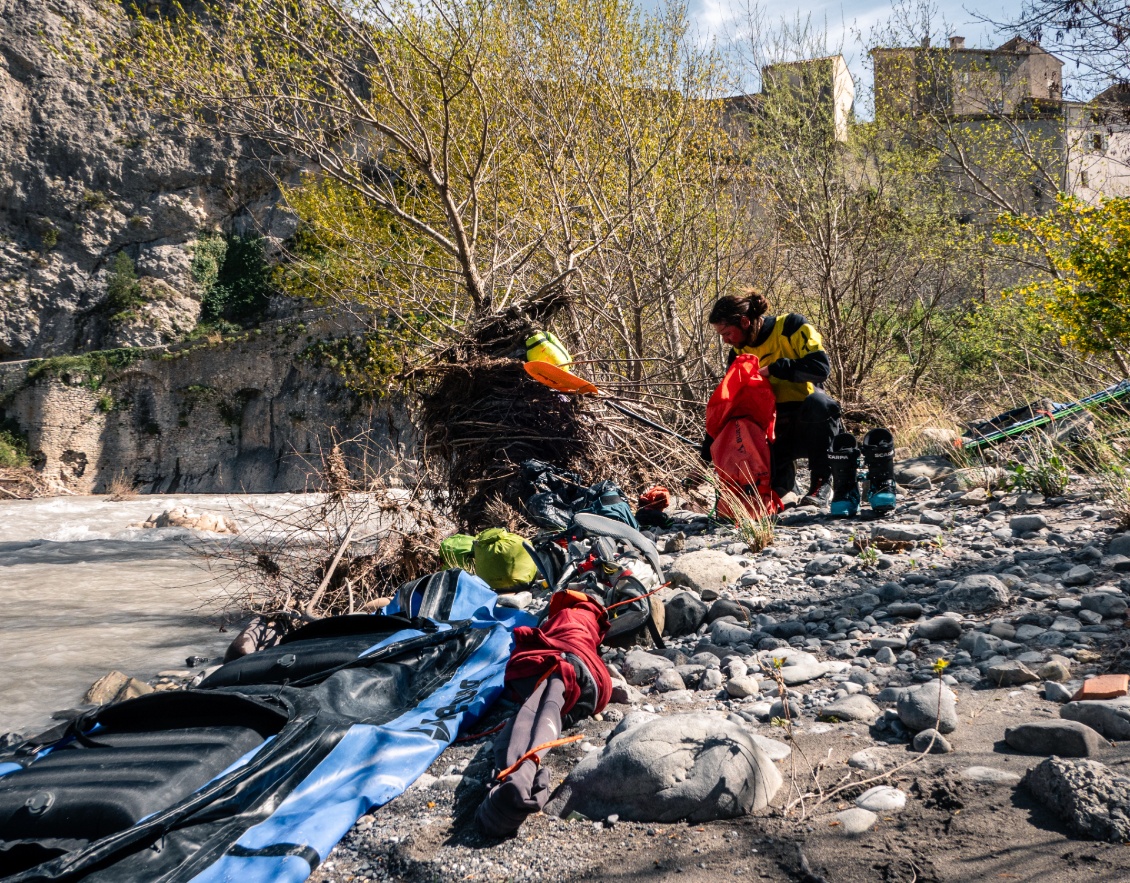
(249, 415)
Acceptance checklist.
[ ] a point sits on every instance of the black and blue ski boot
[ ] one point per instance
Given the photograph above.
(878, 449)
(844, 459)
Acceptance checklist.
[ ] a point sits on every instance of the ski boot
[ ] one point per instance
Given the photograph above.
(844, 458)
(878, 448)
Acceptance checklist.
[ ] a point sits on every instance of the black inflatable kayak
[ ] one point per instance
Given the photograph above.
(258, 772)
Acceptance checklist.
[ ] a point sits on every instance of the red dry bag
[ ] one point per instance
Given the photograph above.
(740, 417)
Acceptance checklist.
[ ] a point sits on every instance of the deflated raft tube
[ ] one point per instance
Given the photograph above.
(257, 773)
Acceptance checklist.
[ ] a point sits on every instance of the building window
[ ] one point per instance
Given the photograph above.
(1083, 180)
(1096, 142)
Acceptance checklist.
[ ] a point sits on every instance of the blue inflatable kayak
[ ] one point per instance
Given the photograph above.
(257, 773)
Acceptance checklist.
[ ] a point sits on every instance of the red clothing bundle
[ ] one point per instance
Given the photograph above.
(740, 417)
(576, 624)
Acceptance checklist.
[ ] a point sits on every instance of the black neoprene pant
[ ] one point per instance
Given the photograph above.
(804, 430)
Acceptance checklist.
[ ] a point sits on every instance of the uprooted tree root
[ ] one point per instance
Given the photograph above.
(484, 416)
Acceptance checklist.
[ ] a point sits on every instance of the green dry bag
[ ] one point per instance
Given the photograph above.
(458, 551)
(502, 561)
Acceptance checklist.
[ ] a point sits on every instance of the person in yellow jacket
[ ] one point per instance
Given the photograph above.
(793, 358)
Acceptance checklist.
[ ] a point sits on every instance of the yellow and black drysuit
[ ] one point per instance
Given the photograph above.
(807, 418)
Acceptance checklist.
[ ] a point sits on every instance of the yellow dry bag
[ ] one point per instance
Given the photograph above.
(543, 346)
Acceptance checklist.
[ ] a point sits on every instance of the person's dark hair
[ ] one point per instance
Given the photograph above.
(730, 309)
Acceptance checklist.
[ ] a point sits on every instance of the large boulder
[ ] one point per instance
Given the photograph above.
(707, 569)
(976, 594)
(687, 766)
(1086, 794)
(183, 517)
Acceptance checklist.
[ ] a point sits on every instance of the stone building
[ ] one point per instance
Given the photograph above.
(825, 85)
(1013, 93)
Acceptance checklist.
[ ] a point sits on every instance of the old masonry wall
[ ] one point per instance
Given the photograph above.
(248, 415)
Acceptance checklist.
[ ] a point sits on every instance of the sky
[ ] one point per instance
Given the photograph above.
(849, 23)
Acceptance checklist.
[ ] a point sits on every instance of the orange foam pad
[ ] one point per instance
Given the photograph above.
(558, 378)
(1103, 687)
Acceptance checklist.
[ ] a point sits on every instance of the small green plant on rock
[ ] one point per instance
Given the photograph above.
(1042, 469)
(94, 200)
(13, 445)
(234, 278)
(123, 291)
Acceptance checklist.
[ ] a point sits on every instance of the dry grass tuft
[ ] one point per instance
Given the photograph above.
(120, 488)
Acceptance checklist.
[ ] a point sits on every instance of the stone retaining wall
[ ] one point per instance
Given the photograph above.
(249, 415)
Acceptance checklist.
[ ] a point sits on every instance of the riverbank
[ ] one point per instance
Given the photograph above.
(864, 619)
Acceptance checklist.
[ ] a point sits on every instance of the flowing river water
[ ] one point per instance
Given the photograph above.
(83, 593)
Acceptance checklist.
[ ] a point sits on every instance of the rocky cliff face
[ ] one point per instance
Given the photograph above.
(83, 177)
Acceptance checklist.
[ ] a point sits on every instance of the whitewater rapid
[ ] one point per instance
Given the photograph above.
(82, 593)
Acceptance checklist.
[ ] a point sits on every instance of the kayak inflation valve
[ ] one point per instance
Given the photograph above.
(39, 803)
(287, 661)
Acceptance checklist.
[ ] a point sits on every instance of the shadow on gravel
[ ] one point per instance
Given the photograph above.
(469, 795)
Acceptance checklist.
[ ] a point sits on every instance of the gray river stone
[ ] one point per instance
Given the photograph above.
(1120, 545)
(706, 569)
(743, 686)
(931, 740)
(1027, 523)
(906, 532)
(855, 820)
(1066, 738)
(1105, 603)
(851, 708)
(728, 633)
(687, 766)
(931, 705)
(976, 594)
(939, 628)
(641, 667)
(1011, 674)
(684, 614)
(826, 565)
(1109, 717)
(1086, 794)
